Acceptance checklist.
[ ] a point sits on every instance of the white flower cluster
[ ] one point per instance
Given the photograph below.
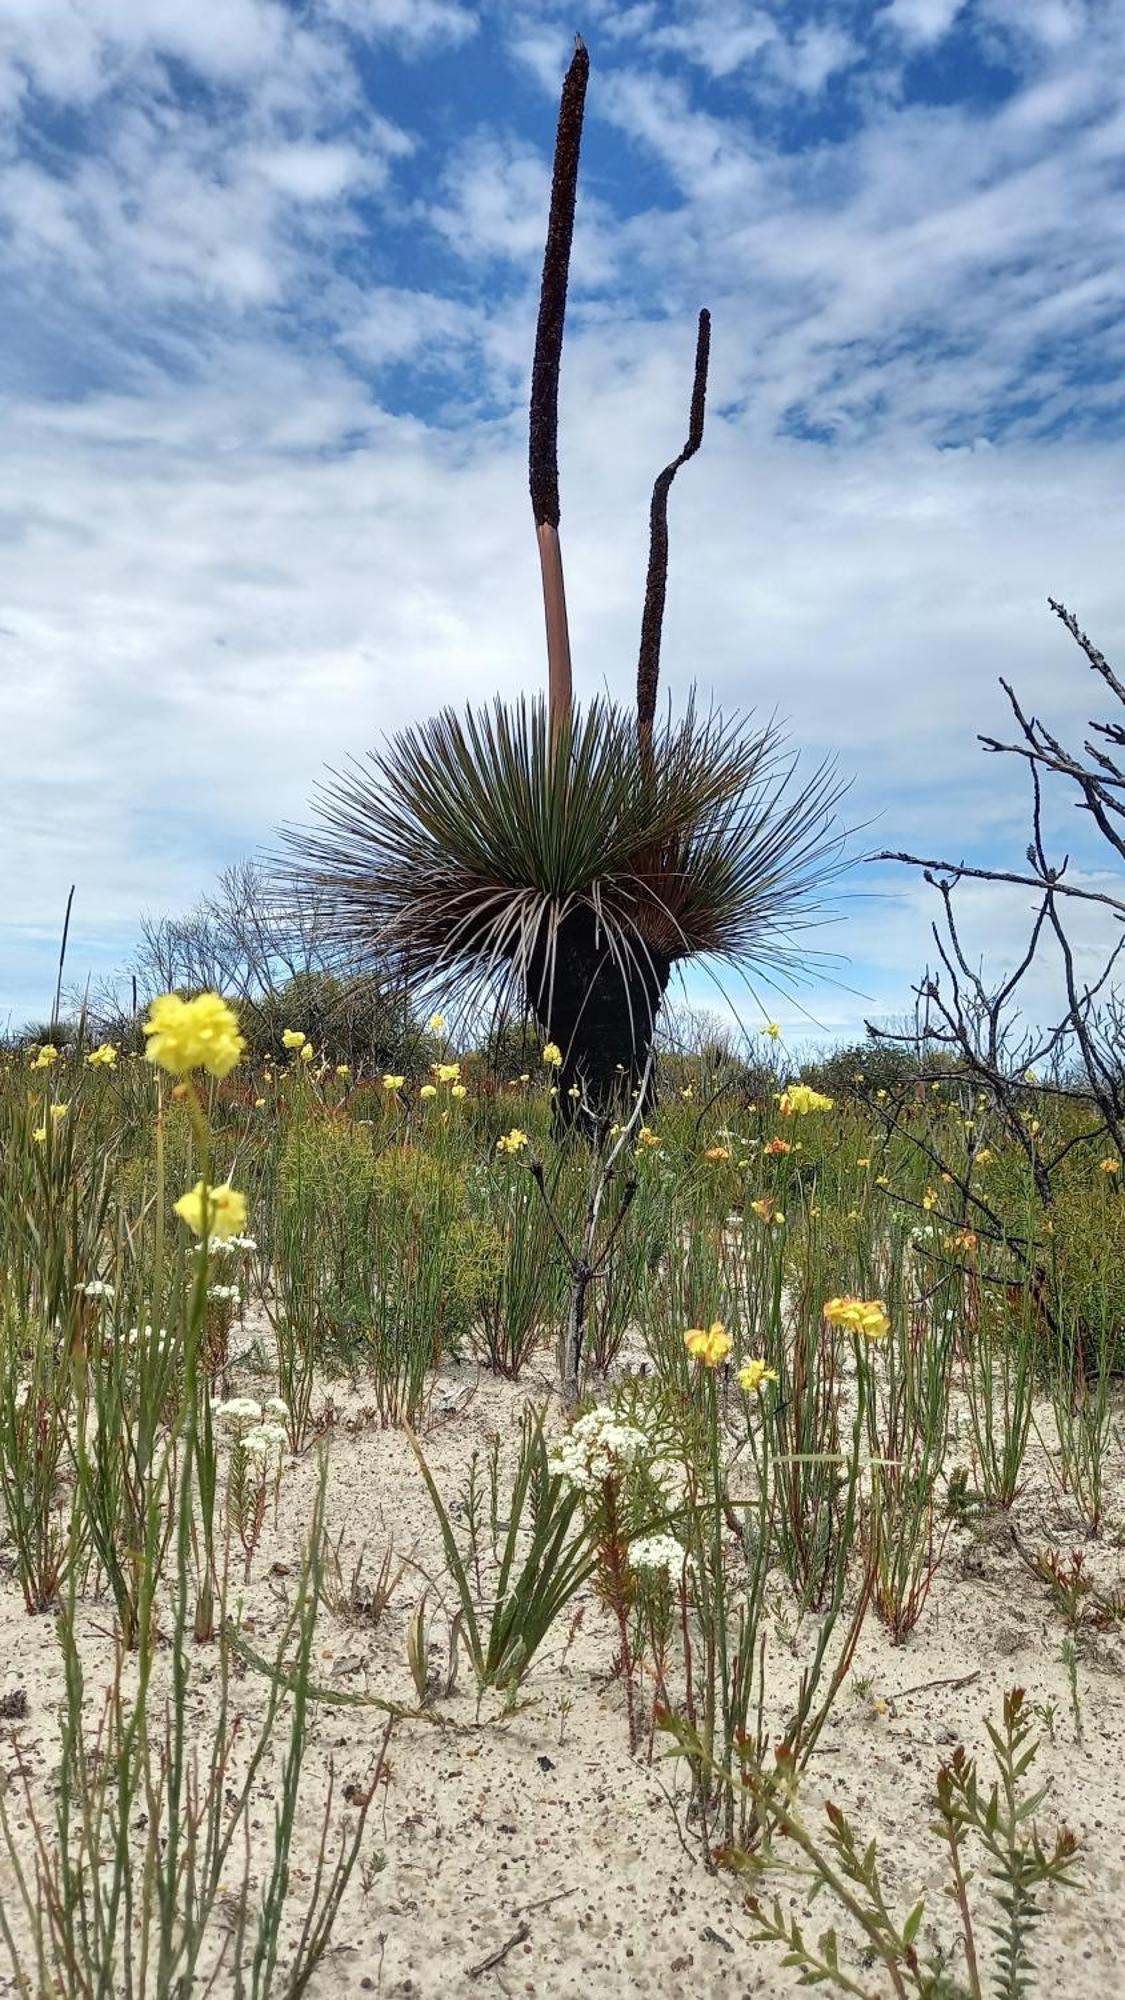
(227, 1295)
(658, 1552)
(97, 1288)
(596, 1446)
(265, 1441)
(259, 1429)
(223, 1246)
(145, 1334)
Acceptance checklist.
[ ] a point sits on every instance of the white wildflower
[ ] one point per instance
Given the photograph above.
(241, 1414)
(595, 1446)
(658, 1552)
(264, 1441)
(228, 1295)
(97, 1288)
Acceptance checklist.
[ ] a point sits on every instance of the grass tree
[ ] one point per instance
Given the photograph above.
(565, 858)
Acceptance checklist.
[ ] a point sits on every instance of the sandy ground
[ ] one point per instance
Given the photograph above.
(540, 1818)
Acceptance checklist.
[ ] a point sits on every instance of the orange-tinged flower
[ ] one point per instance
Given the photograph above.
(766, 1210)
(717, 1153)
(1110, 1166)
(800, 1099)
(777, 1147)
(708, 1345)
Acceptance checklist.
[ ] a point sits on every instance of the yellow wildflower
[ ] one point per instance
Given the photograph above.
(259, 1103)
(393, 1083)
(863, 1162)
(59, 1110)
(709, 1345)
(864, 1316)
(512, 1142)
(772, 1030)
(647, 1137)
(929, 1199)
(343, 1069)
(1110, 1166)
(294, 1038)
(882, 1180)
(306, 1054)
(688, 1092)
(446, 1072)
(459, 1090)
(717, 1153)
(222, 1214)
(553, 1055)
(428, 1090)
(103, 1057)
(48, 1054)
(39, 1134)
(436, 1023)
(193, 1034)
(753, 1376)
(984, 1156)
(763, 1208)
(800, 1099)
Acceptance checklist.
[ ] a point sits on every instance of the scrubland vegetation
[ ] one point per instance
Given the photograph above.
(826, 1351)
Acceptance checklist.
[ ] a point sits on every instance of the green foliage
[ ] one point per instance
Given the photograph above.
(457, 851)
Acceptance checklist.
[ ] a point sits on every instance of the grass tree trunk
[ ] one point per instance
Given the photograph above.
(601, 1013)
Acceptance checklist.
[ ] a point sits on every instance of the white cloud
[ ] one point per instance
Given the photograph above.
(218, 591)
(416, 25)
(924, 21)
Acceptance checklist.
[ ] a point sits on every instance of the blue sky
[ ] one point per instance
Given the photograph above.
(270, 275)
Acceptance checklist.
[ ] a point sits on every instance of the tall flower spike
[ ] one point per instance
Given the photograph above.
(656, 585)
(543, 457)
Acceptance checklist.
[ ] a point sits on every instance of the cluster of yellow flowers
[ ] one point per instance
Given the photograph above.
(801, 1098)
(649, 1139)
(512, 1142)
(553, 1055)
(391, 1084)
(296, 1038)
(709, 1345)
(446, 1072)
(103, 1057)
(47, 1055)
(1110, 1166)
(183, 1035)
(864, 1316)
(753, 1376)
